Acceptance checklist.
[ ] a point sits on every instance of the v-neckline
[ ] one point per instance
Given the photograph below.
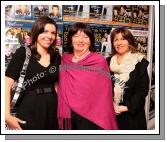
(43, 66)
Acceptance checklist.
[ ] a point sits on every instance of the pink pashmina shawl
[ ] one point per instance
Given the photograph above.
(85, 88)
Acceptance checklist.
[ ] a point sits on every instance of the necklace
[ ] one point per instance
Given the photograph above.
(76, 59)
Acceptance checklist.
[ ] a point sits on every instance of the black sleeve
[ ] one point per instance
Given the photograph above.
(108, 59)
(15, 66)
(137, 99)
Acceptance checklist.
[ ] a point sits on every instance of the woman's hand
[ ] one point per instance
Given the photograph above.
(56, 85)
(117, 112)
(13, 122)
(120, 109)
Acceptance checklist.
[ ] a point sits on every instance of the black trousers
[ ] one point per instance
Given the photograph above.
(39, 110)
(81, 123)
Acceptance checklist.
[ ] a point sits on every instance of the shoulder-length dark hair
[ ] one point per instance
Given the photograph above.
(80, 27)
(126, 34)
(38, 28)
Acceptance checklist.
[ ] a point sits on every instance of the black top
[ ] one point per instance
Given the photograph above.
(135, 91)
(37, 76)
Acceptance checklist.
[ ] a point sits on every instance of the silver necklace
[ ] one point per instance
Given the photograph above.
(76, 59)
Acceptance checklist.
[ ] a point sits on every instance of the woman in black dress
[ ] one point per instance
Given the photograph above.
(131, 81)
(37, 107)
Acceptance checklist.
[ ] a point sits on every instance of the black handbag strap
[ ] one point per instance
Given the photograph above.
(20, 86)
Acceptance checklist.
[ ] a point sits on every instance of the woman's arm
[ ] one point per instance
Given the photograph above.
(12, 73)
(12, 122)
(8, 85)
(120, 109)
(137, 99)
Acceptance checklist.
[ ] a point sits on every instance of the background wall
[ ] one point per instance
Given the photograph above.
(102, 19)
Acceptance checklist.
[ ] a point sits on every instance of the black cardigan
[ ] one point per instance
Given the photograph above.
(135, 91)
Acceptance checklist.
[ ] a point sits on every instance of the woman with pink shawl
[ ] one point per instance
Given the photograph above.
(85, 99)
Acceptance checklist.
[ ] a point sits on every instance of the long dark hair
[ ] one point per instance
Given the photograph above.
(38, 28)
(80, 27)
(126, 34)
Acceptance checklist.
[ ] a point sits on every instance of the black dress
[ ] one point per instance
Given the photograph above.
(38, 102)
(135, 91)
(81, 123)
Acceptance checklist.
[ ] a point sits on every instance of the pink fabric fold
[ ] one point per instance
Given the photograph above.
(85, 88)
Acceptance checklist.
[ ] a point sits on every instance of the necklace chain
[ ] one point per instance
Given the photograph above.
(82, 55)
(76, 59)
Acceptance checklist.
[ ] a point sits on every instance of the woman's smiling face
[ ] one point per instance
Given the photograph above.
(46, 38)
(121, 45)
(81, 42)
